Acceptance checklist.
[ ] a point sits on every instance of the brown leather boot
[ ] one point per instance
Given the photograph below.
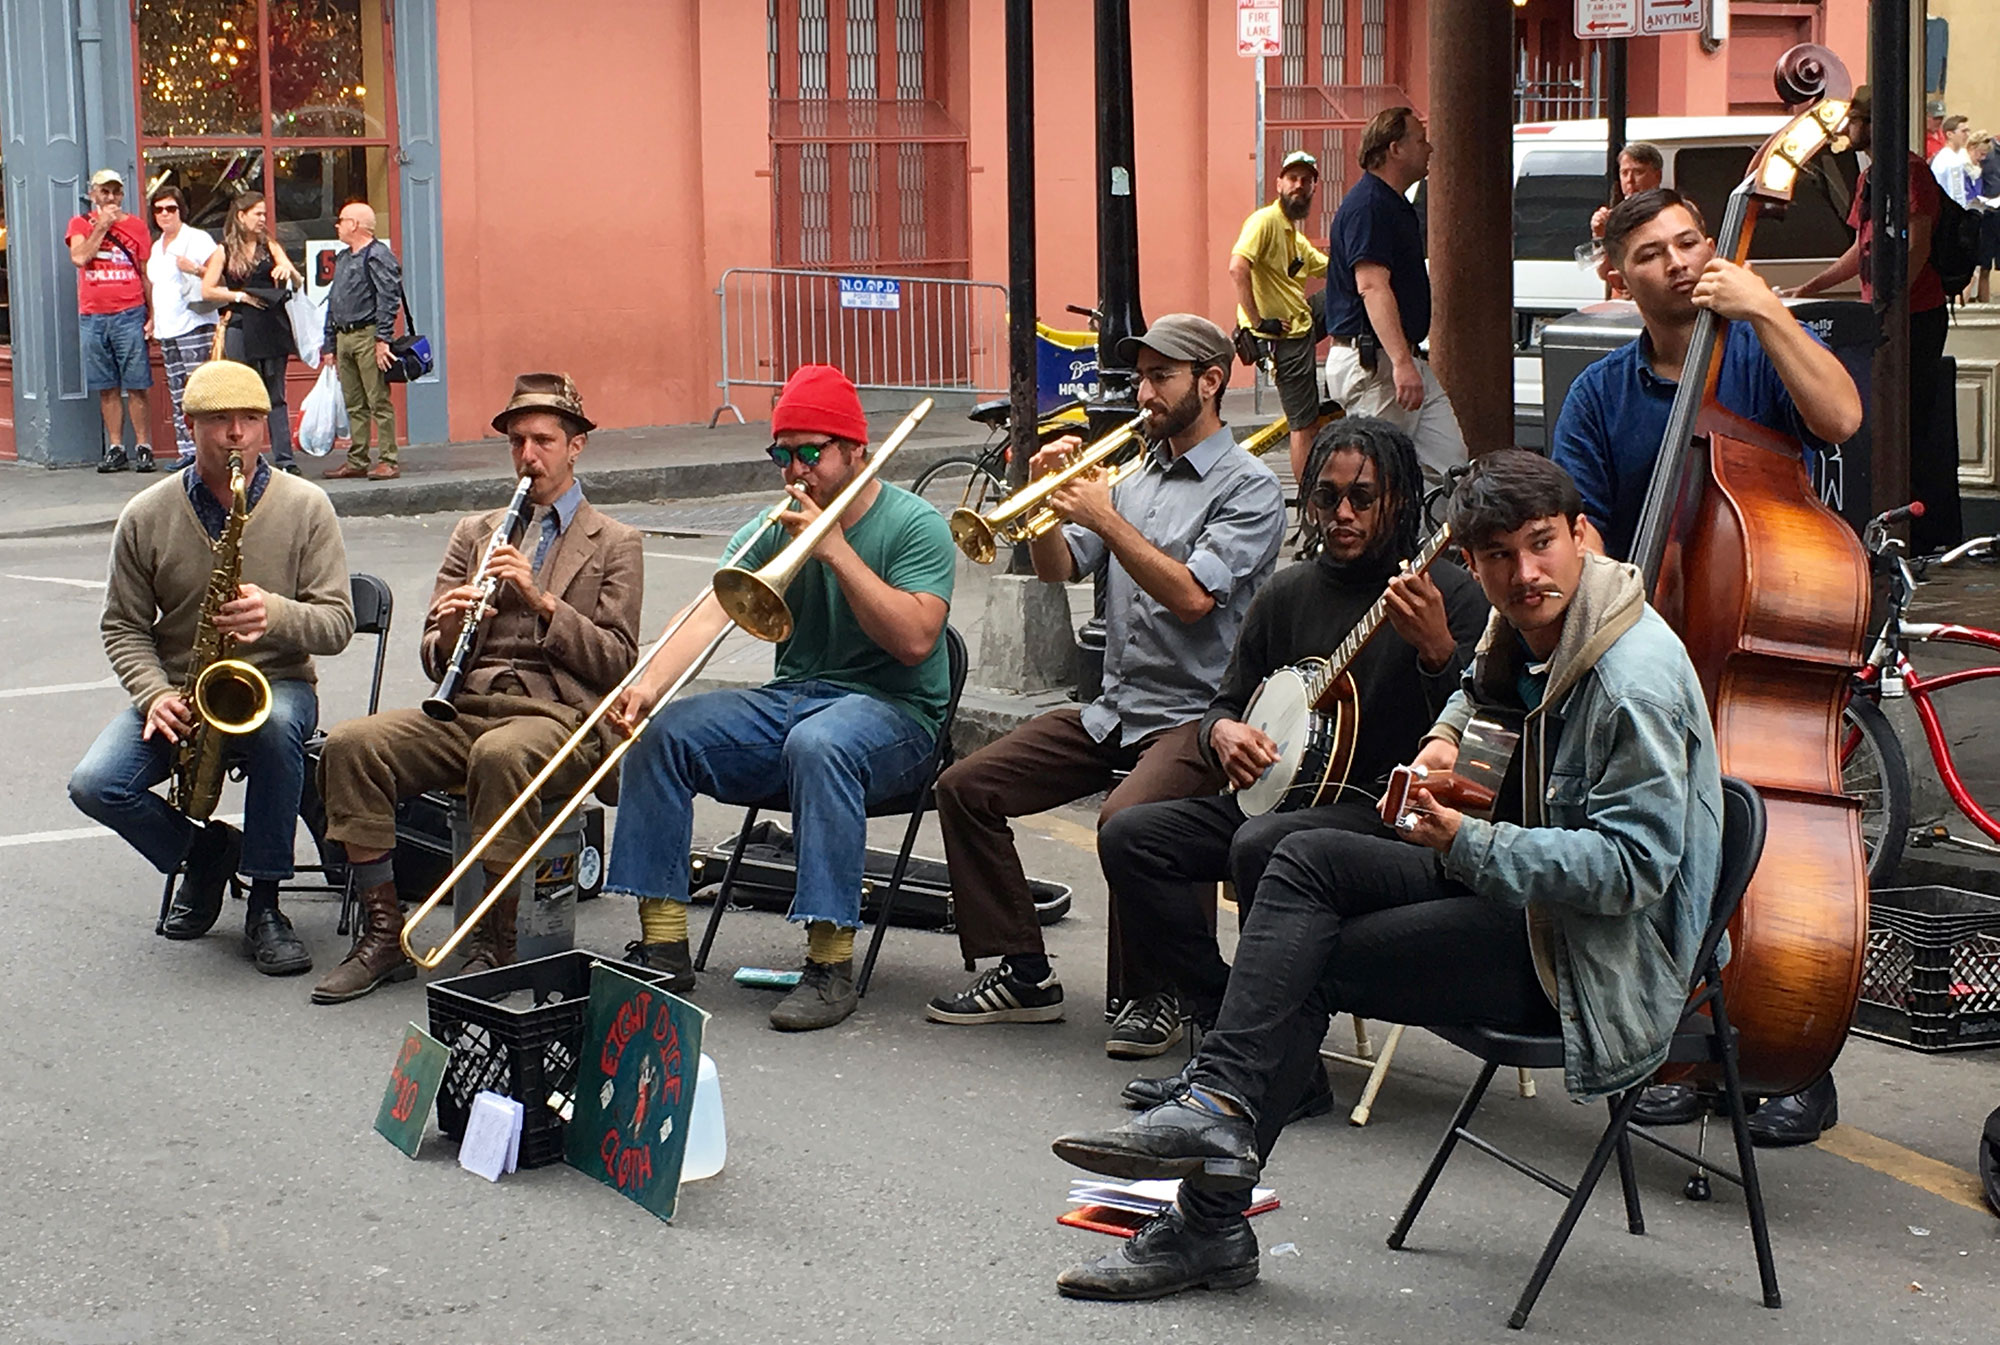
(492, 941)
(377, 956)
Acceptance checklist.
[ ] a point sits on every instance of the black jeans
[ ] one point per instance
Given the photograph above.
(1161, 856)
(1933, 435)
(1348, 923)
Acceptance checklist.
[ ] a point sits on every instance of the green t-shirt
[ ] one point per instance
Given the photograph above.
(904, 540)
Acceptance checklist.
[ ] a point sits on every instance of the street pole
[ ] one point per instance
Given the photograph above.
(1256, 200)
(1889, 208)
(1615, 99)
(1022, 305)
(1117, 218)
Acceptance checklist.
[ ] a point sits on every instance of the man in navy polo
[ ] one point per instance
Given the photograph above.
(1774, 372)
(1378, 296)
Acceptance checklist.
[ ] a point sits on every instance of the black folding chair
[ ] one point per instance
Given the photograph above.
(373, 606)
(916, 804)
(1703, 1037)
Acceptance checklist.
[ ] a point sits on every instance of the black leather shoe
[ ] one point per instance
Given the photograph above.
(212, 859)
(1797, 1119)
(1190, 1138)
(670, 959)
(1164, 1257)
(269, 942)
(1145, 1091)
(1669, 1104)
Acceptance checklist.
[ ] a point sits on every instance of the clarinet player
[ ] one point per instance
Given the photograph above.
(291, 603)
(558, 626)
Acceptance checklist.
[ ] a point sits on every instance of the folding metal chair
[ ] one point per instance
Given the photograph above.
(916, 804)
(1703, 1037)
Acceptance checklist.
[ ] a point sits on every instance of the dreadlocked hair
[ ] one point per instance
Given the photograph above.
(1396, 471)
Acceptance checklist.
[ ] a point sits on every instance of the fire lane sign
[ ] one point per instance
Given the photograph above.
(1260, 28)
(1600, 19)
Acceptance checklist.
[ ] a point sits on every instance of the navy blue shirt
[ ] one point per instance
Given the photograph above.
(1615, 415)
(214, 513)
(1375, 224)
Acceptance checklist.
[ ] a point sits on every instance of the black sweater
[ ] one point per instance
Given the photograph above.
(1306, 610)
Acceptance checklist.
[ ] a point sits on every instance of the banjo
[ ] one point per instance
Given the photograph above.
(1310, 712)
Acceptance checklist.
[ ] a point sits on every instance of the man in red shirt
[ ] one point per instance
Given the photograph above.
(1933, 462)
(1933, 128)
(110, 249)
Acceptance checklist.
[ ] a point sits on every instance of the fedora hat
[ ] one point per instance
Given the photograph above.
(545, 392)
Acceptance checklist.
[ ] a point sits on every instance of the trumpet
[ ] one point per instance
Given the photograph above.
(1027, 514)
(756, 592)
(438, 705)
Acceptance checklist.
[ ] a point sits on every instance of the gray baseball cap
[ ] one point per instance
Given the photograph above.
(1181, 336)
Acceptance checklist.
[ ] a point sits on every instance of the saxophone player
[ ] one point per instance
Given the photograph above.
(291, 603)
(558, 626)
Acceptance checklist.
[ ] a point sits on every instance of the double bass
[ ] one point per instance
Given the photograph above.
(1768, 588)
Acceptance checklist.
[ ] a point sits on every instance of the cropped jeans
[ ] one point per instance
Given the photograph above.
(114, 783)
(830, 750)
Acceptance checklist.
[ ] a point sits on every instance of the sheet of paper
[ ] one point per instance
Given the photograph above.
(1141, 1197)
(514, 1129)
(489, 1131)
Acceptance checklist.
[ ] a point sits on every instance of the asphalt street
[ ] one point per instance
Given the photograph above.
(187, 1153)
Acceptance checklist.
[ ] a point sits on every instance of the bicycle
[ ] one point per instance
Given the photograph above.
(1874, 763)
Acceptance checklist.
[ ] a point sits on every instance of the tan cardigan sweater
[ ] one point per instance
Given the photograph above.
(161, 557)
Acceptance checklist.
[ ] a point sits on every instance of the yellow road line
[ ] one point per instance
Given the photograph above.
(1064, 830)
(1906, 1165)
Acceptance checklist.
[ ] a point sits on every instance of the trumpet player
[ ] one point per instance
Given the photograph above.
(1188, 541)
(850, 717)
(292, 603)
(559, 629)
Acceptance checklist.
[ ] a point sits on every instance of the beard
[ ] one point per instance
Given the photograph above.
(1178, 416)
(1295, 207)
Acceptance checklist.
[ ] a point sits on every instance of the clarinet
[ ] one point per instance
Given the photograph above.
(515, 521)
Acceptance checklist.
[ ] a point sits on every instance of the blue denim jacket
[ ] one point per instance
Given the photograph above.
(1618, 862)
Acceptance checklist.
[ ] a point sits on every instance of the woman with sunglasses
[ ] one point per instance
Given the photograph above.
(185, 332)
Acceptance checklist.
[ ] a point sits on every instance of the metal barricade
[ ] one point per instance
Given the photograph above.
(911, 334)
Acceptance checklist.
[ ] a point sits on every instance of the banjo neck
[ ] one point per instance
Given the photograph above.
(1349, 649)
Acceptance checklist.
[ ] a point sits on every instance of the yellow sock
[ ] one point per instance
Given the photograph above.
(827, 942)
(662, 921)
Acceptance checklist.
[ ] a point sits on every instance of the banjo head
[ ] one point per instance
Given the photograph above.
(1282, 711)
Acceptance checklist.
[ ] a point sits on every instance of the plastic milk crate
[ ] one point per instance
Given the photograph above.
(1932, 977)
(517, 1030)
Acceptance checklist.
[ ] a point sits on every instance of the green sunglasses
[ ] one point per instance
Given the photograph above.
(805, 453)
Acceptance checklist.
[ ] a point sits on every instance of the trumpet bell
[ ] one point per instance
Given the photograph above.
(232, 696)
(754, 603)
(974, 535)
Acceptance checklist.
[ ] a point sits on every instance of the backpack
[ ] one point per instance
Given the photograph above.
(1954, 245)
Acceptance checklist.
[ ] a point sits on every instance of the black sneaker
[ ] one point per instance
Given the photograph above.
(825, 996)
(1147, 1026)
(998, 996)
(212, 859)
(142, 459)
(269, 942)
(1145, 1093)
(672, 960)
(1164, 1257)
(113, 460)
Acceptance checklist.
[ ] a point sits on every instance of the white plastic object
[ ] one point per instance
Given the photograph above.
(708, 1140)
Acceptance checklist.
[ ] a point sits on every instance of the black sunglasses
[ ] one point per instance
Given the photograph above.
(808, 454)
(1327, 496)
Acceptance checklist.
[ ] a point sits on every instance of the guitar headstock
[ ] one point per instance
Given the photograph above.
(1813, 75)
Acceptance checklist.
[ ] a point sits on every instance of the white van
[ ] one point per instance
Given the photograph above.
(1559, 182)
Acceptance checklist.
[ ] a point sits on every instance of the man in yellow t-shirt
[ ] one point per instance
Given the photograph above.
(1267, 265)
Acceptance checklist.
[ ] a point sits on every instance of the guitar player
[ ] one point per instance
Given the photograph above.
(1360, 521)
(1620, 851)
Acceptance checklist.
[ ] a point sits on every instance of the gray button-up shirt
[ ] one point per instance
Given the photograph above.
(367, 287)
(1220, 512)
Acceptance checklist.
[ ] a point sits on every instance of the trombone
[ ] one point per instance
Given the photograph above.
(759, 598)
(1027, 514)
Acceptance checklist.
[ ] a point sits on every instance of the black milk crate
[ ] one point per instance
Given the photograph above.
(1931, 980)
(518, 1031)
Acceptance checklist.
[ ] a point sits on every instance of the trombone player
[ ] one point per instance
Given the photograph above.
(561, 629)
(292, 603)
(1188, 541)
(850, 716)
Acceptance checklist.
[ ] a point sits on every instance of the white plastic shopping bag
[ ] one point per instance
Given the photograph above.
(323, 417)
(308, 325)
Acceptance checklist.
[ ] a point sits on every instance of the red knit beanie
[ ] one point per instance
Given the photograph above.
(820, 399)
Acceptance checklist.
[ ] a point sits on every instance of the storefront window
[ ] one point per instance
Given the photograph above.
(309, 126)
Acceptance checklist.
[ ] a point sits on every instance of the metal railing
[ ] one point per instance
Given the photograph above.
(912, 334)
(1550, 89)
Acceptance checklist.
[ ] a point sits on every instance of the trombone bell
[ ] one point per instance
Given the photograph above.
(755, 603)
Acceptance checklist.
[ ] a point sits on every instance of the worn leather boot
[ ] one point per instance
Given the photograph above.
(377, 956)
(492, 941)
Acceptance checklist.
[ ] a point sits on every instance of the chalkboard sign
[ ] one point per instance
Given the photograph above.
(635, 1089)
(413, 1087)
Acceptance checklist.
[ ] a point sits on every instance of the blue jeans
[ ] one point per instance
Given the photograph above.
(114, 354)
(113, 785)
(833, 751)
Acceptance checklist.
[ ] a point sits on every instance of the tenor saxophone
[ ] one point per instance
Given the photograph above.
(228, 696)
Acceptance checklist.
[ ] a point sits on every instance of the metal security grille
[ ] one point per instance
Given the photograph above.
(1324, 88)
(868, 169)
